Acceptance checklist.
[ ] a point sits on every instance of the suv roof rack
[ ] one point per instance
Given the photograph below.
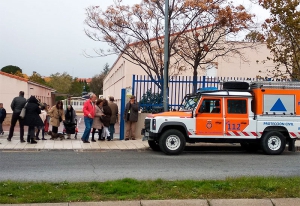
(275, 85)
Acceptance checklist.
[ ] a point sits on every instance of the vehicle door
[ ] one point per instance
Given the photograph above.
(209, 117)
(236, 116)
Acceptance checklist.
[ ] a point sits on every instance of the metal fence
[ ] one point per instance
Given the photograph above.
(148, 91)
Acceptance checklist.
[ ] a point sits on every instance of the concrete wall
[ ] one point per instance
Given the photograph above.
(41, 93)
(8, 120)
(11, 85)
(253, 66)
(140, 125)
(119, 77)
(10, 88)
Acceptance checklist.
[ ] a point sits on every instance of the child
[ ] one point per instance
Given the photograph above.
(47, 120)
(2, 117)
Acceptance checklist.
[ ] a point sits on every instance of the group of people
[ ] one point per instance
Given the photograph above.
(100, 116)
(35, 118)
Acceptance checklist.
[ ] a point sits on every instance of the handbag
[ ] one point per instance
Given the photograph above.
(23, 111)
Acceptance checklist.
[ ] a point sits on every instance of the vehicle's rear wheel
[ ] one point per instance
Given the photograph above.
(154, 145)
(273, 143)
(172, 142)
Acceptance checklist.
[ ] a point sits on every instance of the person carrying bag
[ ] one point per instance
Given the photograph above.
(23, 111)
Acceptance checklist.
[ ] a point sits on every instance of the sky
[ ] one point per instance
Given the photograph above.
(47, 36)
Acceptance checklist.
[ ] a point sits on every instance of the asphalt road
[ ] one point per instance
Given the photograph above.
(110, 165)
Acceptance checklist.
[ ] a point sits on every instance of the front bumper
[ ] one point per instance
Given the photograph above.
(147, 135)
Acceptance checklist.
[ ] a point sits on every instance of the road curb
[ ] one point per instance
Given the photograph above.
(297, 149)
(75, 150)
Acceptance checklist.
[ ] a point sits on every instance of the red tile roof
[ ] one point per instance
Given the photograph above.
(13, 76)
(88, 80)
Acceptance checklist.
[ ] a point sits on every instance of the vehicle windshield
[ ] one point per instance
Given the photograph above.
(189, 102)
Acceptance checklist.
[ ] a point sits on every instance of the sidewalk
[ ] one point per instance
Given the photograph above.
(71, 144)
(78, 145)
(189, 202)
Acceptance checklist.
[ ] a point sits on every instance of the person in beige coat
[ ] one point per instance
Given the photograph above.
(97, 124)
(57, 115)
(114, 116)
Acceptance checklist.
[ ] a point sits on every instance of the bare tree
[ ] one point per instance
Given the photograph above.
(206, 39)
(137, 32)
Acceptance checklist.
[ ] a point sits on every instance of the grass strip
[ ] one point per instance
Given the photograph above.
(12, 192)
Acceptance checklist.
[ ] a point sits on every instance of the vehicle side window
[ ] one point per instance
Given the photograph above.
(210, 106)
(238, 106)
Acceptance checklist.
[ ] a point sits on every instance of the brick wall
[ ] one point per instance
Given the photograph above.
(8, 120)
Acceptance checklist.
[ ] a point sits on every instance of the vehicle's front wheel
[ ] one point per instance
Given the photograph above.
(154, 145)
(172, 142)
(273, 143)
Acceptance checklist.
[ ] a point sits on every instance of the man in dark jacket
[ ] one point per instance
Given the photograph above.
(131, 117)
(2, 117)
(16, 105)
(114, 116)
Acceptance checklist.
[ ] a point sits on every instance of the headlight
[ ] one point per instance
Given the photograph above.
(154, 124)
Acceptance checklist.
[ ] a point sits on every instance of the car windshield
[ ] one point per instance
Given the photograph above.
(189, 102)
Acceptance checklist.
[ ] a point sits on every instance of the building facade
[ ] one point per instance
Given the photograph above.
(249, 65)
(11, 85)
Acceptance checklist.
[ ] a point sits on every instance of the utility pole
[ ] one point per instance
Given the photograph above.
(166, 59)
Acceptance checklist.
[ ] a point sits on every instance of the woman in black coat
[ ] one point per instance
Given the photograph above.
(70, 122)
(32, 118)
(106, 119)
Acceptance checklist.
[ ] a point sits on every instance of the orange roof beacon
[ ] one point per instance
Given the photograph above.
(258, 115)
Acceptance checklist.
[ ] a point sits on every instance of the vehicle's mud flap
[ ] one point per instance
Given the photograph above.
(292, 147)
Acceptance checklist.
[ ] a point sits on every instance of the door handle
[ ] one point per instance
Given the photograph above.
(218, 122)
(243, 122)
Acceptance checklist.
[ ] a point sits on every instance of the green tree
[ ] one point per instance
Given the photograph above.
(86, 86)
(96, 85)
(76, 87)
(18, 73)
(11, 69)
(282, 34)
(36, 77)
(61, 82)
(105, 69)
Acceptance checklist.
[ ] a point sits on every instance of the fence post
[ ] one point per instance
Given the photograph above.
(133, 84)
(203, 81)
(122, 122)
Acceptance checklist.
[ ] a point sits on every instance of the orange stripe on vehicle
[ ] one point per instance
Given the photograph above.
(172, 114)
